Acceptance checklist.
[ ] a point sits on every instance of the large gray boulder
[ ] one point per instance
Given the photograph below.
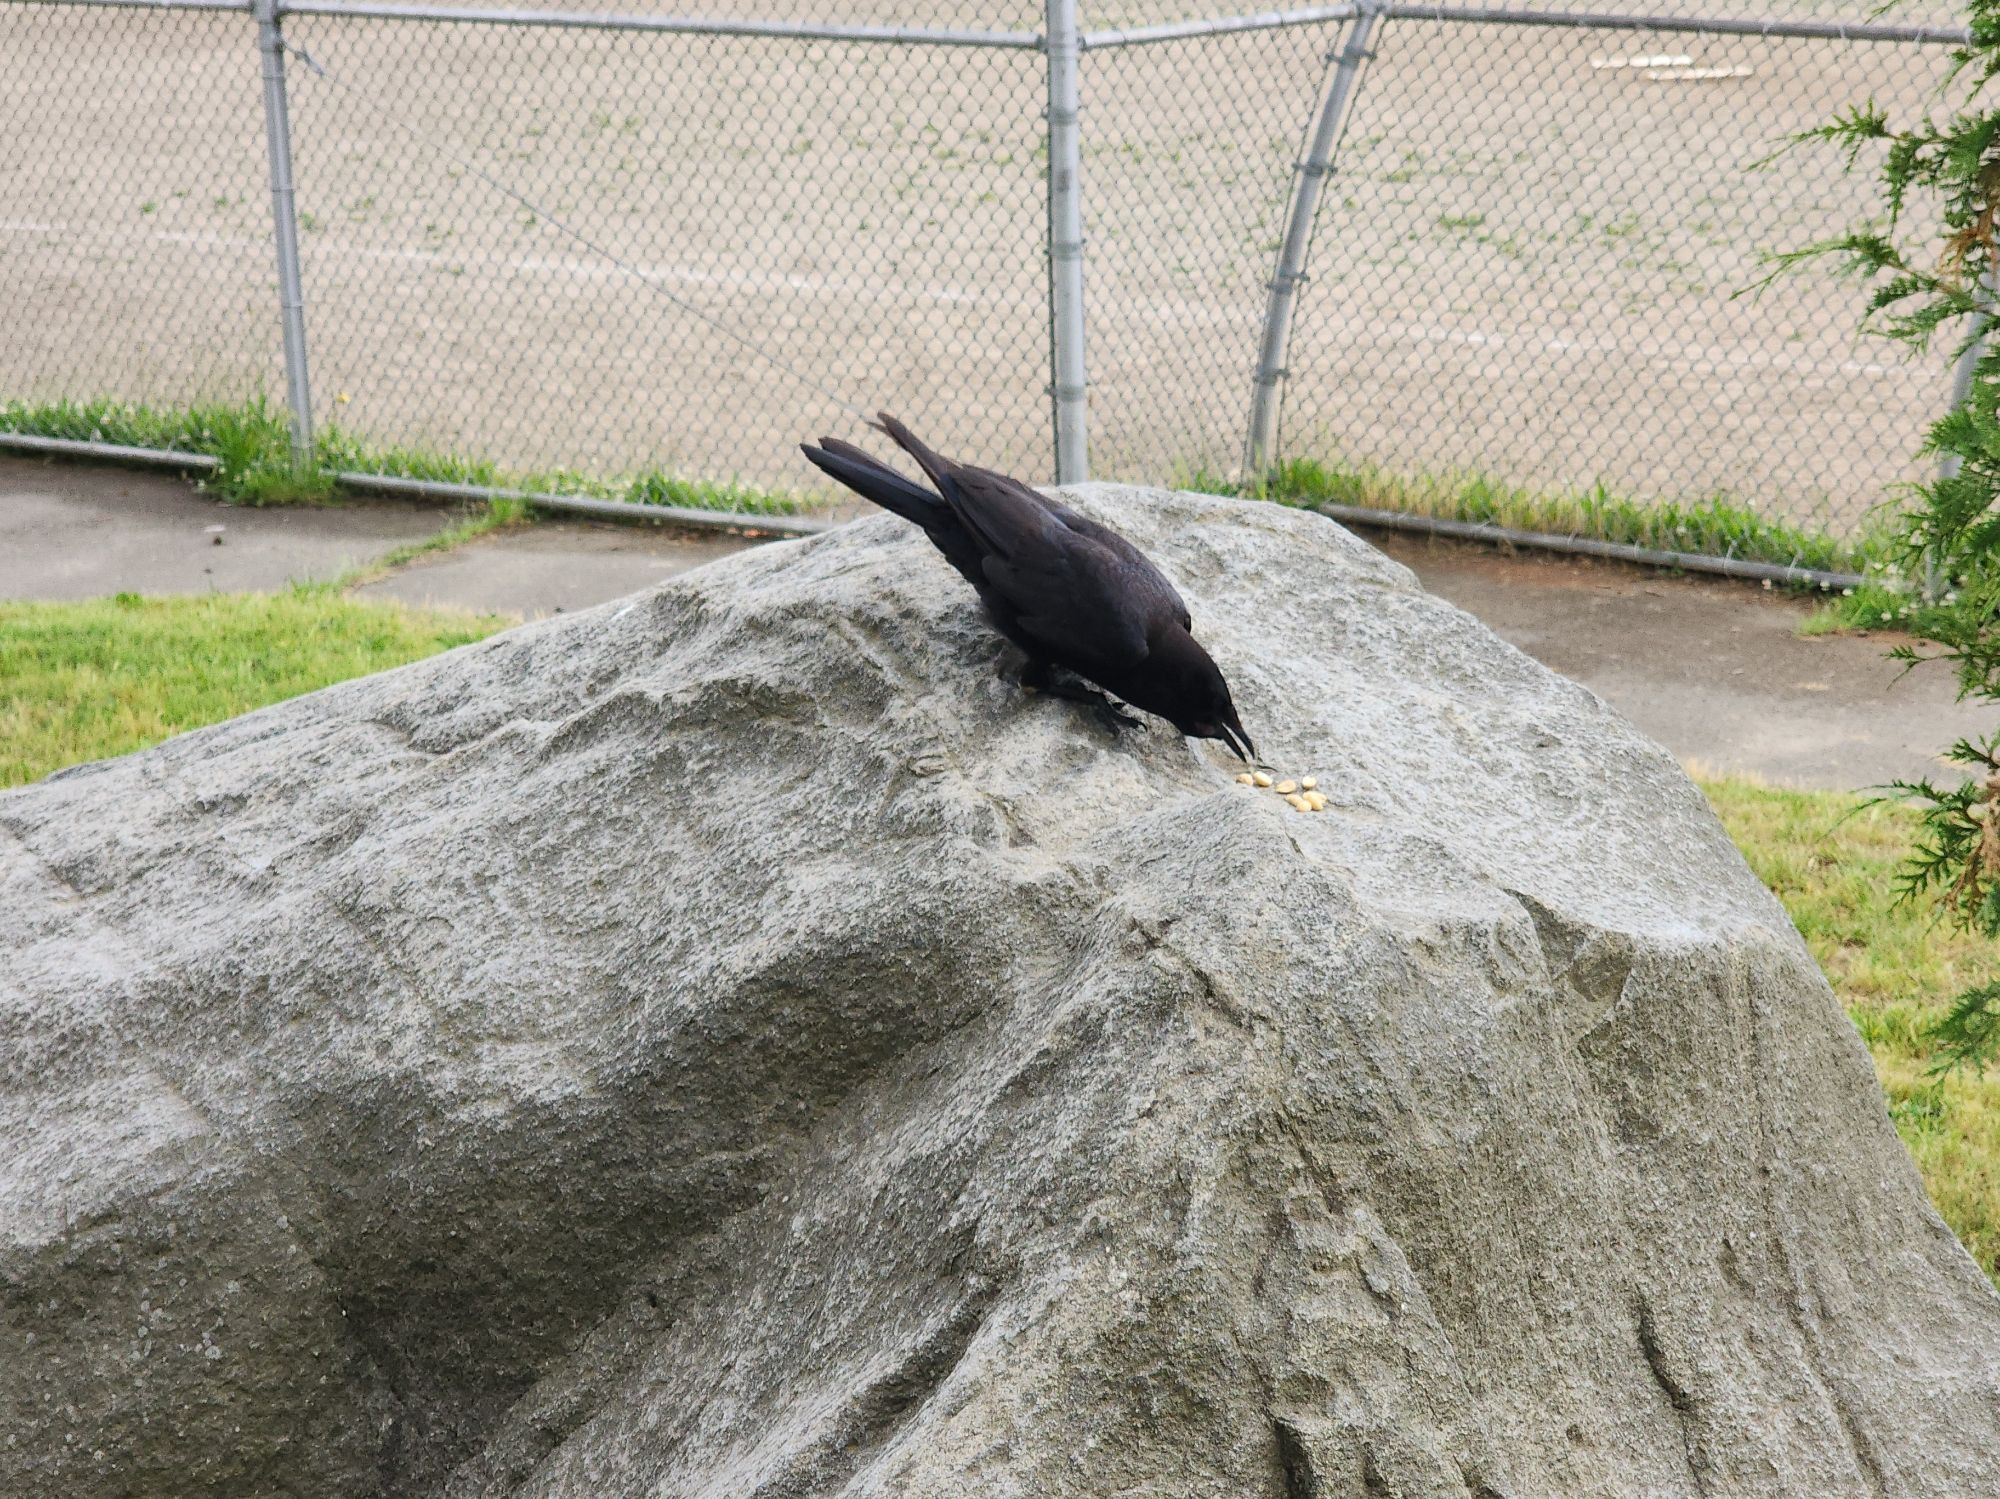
(733, 1043)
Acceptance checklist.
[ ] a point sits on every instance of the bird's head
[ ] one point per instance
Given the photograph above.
(1204, 707)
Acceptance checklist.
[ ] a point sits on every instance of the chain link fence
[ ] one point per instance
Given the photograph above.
(135, 208)
(559, 240)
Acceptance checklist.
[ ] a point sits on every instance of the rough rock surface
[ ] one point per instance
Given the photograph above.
(730, 1043)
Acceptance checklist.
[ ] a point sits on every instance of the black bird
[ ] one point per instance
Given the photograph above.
(1070, 593)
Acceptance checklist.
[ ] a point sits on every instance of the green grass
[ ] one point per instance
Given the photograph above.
(107, 676)
(1875, 605)
(1717, 526)
(341, 452)
(251, 443)
(1829, 858)
(252, 446)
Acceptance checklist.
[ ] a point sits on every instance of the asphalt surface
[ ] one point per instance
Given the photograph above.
(71, 532)
(547, 568)
(1712, 669)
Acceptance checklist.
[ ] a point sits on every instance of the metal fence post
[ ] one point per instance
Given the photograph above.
(1948, 465)
(284, 216)
(1261, 443)
(1065, 247)
(1962, 371)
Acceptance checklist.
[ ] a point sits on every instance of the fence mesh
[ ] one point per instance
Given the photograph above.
(556, 248)
(1189, 148)
(1545, 284)
(135, 208)
(866, 214)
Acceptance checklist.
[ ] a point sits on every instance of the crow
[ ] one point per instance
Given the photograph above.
(1073, 595)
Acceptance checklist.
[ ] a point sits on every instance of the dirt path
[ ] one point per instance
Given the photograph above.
(1714, 670)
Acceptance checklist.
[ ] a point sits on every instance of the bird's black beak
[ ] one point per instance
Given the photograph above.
(1231, 733)
(1236, 728)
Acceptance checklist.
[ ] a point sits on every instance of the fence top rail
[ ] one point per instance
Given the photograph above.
(1854, 31)
(1846, 31)
(367, 10)
(1134, 36)
(1178, 31)
(685, 25)
(241, 6)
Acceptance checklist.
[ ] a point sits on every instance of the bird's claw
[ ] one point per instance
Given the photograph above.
(1116, 721)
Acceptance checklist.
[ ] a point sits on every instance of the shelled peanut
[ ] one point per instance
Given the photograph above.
(1301, 795)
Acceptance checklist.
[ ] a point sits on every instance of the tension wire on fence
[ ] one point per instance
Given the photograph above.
(637, 273)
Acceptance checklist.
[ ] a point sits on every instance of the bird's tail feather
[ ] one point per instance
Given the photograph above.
(872, 481)
(935, 468)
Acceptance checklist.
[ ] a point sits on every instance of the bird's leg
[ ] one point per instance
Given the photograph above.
(1039, 676)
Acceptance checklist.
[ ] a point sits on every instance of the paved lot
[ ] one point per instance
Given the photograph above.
(545, 569)
(71, 533)
(1711, 669)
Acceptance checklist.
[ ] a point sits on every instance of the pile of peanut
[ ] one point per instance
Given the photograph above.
(1299, 794)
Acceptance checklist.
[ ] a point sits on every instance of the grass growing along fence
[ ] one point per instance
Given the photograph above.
(1717, 526)
(252, 446)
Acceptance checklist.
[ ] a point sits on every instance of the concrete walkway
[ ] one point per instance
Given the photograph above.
(70, 532)
(1712, 669)
(550, 567)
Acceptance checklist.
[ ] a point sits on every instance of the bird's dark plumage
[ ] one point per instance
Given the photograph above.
(1069, 592)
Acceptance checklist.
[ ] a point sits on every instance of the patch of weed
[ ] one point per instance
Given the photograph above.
(1717, 526)
(251, 444)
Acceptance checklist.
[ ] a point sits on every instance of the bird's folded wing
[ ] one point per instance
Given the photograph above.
(1067, 590)
(1123, 549)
